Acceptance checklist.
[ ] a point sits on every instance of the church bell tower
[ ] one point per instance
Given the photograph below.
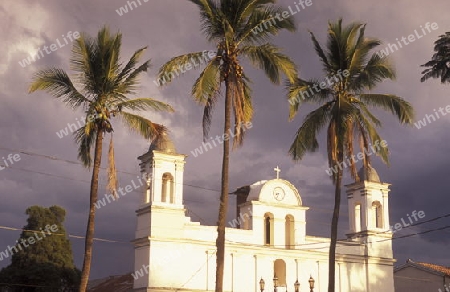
(368, 209)
(161, 213)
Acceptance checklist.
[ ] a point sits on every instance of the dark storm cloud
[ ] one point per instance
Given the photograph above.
(419, 160)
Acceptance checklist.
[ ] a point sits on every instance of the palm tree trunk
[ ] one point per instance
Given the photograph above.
(334, 230)
(220, 242)
(89, 240)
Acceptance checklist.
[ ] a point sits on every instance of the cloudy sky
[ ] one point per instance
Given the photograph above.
(45, 176)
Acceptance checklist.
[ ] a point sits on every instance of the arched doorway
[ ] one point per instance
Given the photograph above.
(279, 270)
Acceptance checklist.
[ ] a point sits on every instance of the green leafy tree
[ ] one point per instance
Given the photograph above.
(104, 86)
(42, 258)
(240, 29)
(439, 65)
(347, 61)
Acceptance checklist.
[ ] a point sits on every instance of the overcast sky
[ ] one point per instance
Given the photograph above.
(419, 157)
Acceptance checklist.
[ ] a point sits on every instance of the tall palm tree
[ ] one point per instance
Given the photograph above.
(353, 69)
(104, 85)
(239, 29)
(439, 65)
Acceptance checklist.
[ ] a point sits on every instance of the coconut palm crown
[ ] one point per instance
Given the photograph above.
(103, 86)
(240, 30)
(351, 68)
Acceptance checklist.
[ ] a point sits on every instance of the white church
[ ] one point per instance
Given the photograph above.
(270, 243)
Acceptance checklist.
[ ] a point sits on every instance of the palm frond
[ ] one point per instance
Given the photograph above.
(130, 84)
(402, 109)
(112, 172)
(243, 109)
(306, 137)
(209, 18)
(109, 46)
(305, 91)
(144, 103)
(360, 60)
(174, 67)
(246, 8)
(322, 56)
(263, 23)
(368, 114)
(85, 138)
(130, 65)
(376, 70)
(348, 146)
(56, 82)
(83, 61)
(369, 131)
(269, 58)
(208, 83)
(141, 125)
(352, 42)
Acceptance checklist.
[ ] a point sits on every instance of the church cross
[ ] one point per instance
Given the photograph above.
(277, 170)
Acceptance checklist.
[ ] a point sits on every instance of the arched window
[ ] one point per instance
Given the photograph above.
(289, 232)
(167, 192)
(279, 270)
(268, 229)
(377, 213)
(358, 218)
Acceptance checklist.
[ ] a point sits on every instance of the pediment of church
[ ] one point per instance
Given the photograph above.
(275, 192)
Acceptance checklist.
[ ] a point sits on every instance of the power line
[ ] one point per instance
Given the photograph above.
(415, 224)
(201, 267)
(134, 191)
(54, 158)
(125, 172)
(62, 234)
(258, 245)
(24, 285)
(53, 175)
(381, 232)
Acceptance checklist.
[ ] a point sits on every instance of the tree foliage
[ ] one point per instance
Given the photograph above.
(47, 265)
(439, 65)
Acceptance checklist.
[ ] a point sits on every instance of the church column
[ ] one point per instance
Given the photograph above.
(232, 272)
(351, 215)
(256, 274)
(178, 182)
(157, 182)
(365, 211)
(385, 210)
(207, 269)
(148, 191)
(318, 276)
(278, 232)
(340, 277)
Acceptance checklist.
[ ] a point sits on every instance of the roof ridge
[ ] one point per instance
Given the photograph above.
(438, 268)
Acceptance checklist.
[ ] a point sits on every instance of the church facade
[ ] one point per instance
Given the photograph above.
(268, 243)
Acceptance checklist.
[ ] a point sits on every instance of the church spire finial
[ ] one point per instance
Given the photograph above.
(277, 170)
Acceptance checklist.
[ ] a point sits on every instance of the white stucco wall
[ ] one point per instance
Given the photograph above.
(180, 254)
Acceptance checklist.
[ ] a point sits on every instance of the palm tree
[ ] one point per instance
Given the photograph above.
(238, 28)
(353, 69)
(104, 84)
(439, 66)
